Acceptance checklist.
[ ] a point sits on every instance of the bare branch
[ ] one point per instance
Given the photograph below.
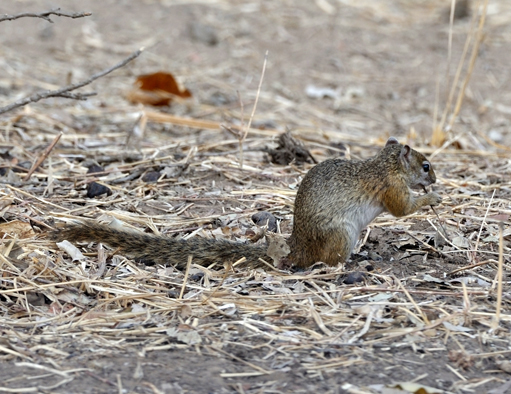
(45, 15)
(77, 96)
(64, 92)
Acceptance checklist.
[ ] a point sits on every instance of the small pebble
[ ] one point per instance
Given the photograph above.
(354, 277)
(375, 256)
(23, 164)
(262, 218)
(94, 168)
(151, 176)
(95, 189)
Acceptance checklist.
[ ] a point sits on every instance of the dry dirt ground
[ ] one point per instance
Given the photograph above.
(342, 76)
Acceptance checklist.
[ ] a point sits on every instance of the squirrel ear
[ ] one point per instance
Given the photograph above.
(405, 155)
(391, 141)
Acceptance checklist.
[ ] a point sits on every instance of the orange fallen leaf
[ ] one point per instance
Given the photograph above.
(157, 89)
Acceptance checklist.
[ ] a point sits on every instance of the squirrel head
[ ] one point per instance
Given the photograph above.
(415, 168)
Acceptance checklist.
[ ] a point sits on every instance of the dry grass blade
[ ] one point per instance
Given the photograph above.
(499, 277)
(43, 157)
(187, 271)
(258, 93)
(483, 221)
(409, 301)
(180, 121)
(471, 63)
(475, 36)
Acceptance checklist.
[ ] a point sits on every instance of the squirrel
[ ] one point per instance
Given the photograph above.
(335, 201)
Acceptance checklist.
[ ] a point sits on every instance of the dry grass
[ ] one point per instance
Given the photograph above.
(103, 301)
(439, 286)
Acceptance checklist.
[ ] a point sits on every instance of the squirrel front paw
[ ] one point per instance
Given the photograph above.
(433, 198)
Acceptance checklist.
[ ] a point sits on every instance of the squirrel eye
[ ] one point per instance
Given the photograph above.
(425, 167)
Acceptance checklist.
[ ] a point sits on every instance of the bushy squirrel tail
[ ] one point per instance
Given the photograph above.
(156, 249)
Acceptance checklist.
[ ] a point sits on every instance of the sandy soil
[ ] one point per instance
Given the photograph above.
(343, 76)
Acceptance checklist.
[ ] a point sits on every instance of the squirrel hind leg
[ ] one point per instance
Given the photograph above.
(337, 248)
(330, 248)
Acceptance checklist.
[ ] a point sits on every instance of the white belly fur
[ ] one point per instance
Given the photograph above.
(364, 216)
(357, 219)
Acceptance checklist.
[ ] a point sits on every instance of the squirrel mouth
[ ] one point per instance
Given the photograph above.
(422, 185)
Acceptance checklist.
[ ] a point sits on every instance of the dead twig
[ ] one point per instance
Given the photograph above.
(438, 217)
(45, 15)
(64, 92)
(188, 264)
(468, 267)
(499, 278)
(483, 222)
(42, 158)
